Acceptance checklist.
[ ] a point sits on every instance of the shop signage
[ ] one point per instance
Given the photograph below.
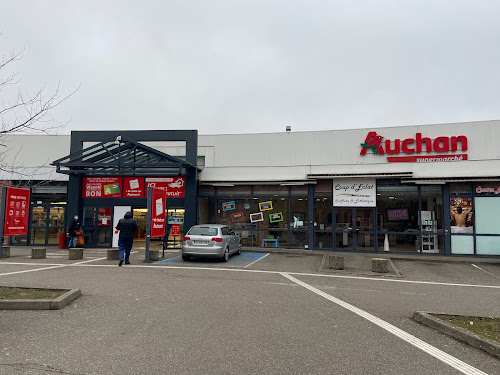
(488, 189)
(354, 193)
(398, 214)
(102, 187)
(176, 230)
(173, 186)
(158, 205)
(104, 217)
(17, 207)
(133, 187)
(176, 218)
(417, 145)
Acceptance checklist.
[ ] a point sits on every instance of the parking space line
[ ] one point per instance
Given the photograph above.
(444, 357)
(489, 273)
(255, 261)
(33, 270)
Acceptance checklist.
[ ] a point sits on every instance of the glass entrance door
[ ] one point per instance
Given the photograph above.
(97, 225)
(354, 229)
(47, 222)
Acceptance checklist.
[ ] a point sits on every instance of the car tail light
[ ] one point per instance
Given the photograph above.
(217, 239)
(186, 238)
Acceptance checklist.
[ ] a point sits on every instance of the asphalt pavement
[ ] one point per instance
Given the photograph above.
(279, 313)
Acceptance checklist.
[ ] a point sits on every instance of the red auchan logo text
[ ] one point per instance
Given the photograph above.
(417, 145)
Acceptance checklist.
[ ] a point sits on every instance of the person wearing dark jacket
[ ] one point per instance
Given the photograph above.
(74, 230)
(127, 226)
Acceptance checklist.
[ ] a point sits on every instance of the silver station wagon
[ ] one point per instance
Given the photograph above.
(211, 241)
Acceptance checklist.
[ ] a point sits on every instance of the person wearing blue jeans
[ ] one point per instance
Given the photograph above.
(74, 230)
(127, 227)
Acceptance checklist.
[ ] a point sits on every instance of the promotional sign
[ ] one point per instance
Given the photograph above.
(354, 193)
(417, 145)
(398, 214)
(104, 217)
(133, 187)
(173, 186)
(158, 207)
(176, 230)
(17, 211)
(102, 187)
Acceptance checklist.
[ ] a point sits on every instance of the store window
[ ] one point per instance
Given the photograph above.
(487, 228)
(461, 218)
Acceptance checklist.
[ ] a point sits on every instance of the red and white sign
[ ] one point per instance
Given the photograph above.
(158, 212)
(17, 207)
(173, 186)
(133, 187)
(102, 187)
(104, 217)
(417, 145)
(176, 230)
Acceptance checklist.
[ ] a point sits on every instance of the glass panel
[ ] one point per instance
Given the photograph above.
(364, 219)
(399, 243)
(461, 214)
(432, 243)
(56, 216)
(236, 212)
(19, 240)
(140, 215)
(38, 235)
(323, 240)
(461, 188)
(298, 217)
(88, 217)
(488, 245)
(276, 190)
(344, 240)
(88, 236)
(344, 220)
(487, 210)
(271, 238)
(298, 190)
(175, 217)
(245, 236)
(365, 241)
(431, 190)
(432, 211)
(298, 239)
(104, 237)
(54, 235)
(462, 244)
(323, 211)
(204, 210)
(39, 214)
(398, 214)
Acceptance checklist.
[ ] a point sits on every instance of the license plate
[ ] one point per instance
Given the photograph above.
(200, 242)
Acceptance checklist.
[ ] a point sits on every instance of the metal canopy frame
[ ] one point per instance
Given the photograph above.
(122, 156)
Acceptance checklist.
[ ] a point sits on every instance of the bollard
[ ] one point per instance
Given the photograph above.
(336, 262)
(154, 255)
(113, 254)
(380, 265)
(75, 253)
(38, 253)
(5, 251)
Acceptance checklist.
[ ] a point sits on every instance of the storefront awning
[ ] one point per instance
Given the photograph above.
(122, 157)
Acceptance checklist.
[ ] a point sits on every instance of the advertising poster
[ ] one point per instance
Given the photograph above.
(158, 214)
(461, 215)
(102, 187)
(354, 192)
(133, 187)
(398, 214)
(176, 230)
(16, 211)
(173, 186)
(104, 217)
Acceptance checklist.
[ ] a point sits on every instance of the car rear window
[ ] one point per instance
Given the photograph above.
(203, 231)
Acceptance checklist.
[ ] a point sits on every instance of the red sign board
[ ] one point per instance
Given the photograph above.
(133, 187)
(176, 230)
(17, 209)
(158, 213)
(104, 217)
(173, 186)
(102, 187)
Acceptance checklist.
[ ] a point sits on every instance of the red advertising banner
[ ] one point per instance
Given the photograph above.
(133, 187)
(173, 186)
(102, 187)
(104, 217)
(158, 212)
(17, 209)
(176, 230)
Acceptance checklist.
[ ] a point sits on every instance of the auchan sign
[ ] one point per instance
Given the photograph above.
(451, 145)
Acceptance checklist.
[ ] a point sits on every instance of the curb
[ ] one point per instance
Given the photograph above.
(458, 333)
(41, 304)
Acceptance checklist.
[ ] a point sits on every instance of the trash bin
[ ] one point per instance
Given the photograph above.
(62, 240)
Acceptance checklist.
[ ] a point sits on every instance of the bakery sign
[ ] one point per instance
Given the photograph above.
(410, 149)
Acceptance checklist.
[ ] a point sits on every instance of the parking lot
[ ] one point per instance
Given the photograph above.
(279, 315)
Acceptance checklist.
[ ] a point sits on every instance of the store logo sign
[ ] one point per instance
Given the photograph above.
(417, 145)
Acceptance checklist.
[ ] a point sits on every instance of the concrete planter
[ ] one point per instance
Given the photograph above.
(38, 253)
(75, 253)
(113, 254)
(380, 265)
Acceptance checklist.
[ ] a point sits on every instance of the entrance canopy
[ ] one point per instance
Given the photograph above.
(121, 157)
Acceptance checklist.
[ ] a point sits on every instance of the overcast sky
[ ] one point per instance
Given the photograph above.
(233, 66)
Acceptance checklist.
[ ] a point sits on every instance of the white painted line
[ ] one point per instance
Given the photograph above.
(30, 264)
(33, 270)
(457, 364)
(248, 265)
(86, 261)
(489, 273)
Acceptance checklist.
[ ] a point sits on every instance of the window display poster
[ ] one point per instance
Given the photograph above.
(102, 187)
(158, 215)
(226, 206)
(461, 215)
(173, 186)
(239, 216)
(17, 207)
(175, 230)
(398, 214)
(104, 217)
(354, 192)
(256, 217)
(133, 187)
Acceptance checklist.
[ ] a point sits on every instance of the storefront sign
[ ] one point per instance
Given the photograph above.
(158, 205)
(354, 193)
(133, 187)
(417, 145)
(176, 230)
(398, 214)
(16, 211)
(104, 217)
(494, 189)
(173, 186)
(102, 187)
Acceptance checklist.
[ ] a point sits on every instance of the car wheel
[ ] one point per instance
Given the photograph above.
(185, 257)
(225, 257)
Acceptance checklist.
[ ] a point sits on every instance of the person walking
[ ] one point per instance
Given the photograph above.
(74, 230)
(127, 226)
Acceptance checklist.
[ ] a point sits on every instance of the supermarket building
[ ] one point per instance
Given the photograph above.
(432, 189)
